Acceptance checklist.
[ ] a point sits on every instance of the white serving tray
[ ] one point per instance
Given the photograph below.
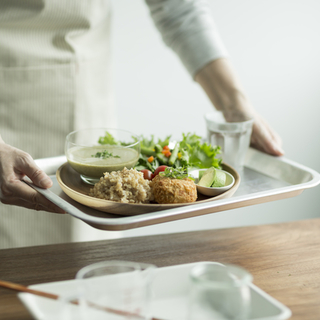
(169, 301)
(264, 178)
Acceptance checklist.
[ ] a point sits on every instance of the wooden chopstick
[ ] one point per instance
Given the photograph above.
(21, 288)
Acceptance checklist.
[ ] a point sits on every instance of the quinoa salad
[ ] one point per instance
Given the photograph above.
(125, 186)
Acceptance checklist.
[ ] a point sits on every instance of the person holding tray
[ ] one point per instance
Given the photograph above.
(54, 60)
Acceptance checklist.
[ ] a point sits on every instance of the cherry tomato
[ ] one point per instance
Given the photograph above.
(159, 169)
(147, 174)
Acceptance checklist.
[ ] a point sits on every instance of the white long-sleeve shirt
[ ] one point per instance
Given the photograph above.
(188, 28)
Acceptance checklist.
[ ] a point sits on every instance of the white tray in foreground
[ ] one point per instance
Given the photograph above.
(170, 290)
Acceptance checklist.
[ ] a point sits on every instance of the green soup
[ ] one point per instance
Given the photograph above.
(94, 161)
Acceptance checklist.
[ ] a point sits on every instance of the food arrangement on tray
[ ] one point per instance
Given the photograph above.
(165, 174)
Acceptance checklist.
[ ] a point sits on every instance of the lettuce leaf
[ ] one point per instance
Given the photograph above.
(108, 139)
(150, 143)
(201, 155)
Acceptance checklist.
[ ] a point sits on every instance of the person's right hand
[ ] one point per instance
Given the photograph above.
(14, 165)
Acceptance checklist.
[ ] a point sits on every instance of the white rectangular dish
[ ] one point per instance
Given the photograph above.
(264, 178)
(169, 302)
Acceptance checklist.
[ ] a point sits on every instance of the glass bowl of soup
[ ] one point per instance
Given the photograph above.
(92, 152)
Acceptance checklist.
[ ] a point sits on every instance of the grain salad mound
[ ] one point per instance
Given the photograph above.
(126, 186)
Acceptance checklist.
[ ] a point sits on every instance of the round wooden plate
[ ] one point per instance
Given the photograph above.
(71, 183)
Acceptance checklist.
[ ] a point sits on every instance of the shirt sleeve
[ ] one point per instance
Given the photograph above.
(187, 27)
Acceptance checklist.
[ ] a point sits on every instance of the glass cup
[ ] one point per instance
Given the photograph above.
(219, 292)
(233, 137)
(91, 152)
(116, 290)
(68, 304)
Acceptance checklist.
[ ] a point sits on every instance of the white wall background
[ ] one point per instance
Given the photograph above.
(275, 48)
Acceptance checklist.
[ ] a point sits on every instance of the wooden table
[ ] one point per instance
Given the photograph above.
(284, 260)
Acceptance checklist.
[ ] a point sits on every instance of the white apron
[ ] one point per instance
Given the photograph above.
(54, 78)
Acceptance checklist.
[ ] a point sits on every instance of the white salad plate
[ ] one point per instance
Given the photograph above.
(213, 191)
(170, 289)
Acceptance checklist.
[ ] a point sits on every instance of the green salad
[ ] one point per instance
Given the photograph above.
(188, 153)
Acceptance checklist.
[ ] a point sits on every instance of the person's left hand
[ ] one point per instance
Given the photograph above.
(264, 138)
(219, 81)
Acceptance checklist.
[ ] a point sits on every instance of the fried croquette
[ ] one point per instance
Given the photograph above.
(168, 190)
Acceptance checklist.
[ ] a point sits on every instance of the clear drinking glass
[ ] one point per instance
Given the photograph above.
(116, 290)
(91, 152)
(219, 292)
(233, 137)
(68, 304)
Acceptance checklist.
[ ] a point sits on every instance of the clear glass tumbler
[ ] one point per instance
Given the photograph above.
(116, 290)
(233, 137)
(219, 292)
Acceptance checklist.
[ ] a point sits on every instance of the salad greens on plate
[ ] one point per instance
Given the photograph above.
(188, 153)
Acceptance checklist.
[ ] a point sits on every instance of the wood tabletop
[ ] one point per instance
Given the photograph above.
(284, 260)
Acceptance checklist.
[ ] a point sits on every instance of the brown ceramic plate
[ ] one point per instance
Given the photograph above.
(71, 183)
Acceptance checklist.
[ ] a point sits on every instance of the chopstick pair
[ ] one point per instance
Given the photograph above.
(21, 288)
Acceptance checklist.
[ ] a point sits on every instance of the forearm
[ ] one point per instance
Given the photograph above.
(219, 81)
(223, 88)
(188, 29)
